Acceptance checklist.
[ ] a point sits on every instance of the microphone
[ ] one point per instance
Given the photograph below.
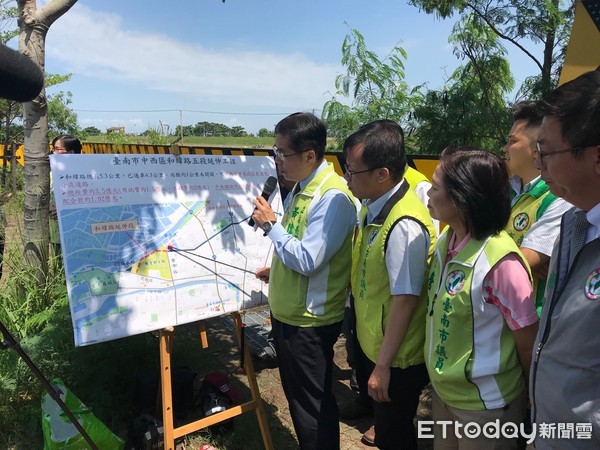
(21, 79)
(270, 186)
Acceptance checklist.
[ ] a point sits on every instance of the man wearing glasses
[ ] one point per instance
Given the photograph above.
(395, 240)
(535, 213)
(565, 372)
(309, 276)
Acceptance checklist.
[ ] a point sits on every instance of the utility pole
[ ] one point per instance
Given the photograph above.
(181, 125)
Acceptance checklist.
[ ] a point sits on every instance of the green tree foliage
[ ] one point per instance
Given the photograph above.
(10, 128)
(238, 131)
(471, 109)
(8, 14)
(61, 118)
(92, 131)
(263, 132)
(374, 87)
(188, 130)
(523, 24)
(210, 129)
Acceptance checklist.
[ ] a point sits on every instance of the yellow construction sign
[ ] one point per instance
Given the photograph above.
(583, 50)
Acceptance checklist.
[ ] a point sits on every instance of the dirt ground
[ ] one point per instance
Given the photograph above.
(223, 355)
(277, 408)
(350, 431)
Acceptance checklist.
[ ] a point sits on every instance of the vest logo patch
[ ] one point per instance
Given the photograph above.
(592, 285)
(455, 282)
(521, 221)
(372, 237)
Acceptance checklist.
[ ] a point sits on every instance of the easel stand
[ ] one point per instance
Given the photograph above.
(256, 404)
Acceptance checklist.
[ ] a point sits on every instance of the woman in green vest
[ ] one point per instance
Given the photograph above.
(481, 321)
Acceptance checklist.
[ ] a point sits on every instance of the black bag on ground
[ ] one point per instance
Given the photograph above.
(182, 386)
(146, 434)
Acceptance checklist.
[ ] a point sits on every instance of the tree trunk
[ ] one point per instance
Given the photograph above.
(34, 24)
(549, 53)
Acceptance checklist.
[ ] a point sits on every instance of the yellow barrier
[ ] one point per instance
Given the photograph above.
(18, 155)
(423, 163)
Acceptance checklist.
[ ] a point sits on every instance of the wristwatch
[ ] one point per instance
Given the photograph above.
(267, 226)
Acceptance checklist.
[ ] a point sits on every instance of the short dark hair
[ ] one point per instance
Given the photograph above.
(576, 105)
(476, 181)
(71, 143)
(384, 146)
(305, 131)
(530, 112)
(451, 149)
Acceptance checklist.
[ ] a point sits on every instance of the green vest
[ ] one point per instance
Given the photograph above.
(469, 349)
(319, 299)
(414, 177)
(530, 206)
(370, 281)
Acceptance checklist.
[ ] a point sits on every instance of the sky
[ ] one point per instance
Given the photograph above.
(143, 63)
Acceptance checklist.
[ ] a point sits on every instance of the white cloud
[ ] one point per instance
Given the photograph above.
(97, 44)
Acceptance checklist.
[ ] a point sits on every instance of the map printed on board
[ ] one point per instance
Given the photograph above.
(154, 241)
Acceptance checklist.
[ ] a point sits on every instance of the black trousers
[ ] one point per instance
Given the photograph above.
(305, 356)
(394, 428)
(353, 351)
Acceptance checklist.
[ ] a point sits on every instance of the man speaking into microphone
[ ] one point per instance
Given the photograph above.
(309, 275)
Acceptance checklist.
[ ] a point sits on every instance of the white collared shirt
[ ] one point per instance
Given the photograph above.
(408, 246)
(593, 217)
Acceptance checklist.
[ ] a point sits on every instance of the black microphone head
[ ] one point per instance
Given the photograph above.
(268, 189)
(21, 79)
(270, 186)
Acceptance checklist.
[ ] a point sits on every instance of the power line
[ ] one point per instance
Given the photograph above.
(184, 110)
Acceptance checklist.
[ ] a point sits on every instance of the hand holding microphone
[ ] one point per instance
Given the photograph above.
(263, 212)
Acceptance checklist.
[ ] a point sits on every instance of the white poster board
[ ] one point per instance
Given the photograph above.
(154, 241)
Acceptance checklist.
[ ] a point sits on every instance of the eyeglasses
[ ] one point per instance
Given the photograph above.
(540, 154)
(57, 147)
(351, 173)
(281, 155)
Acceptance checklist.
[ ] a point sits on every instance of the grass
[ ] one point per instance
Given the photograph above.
(104, 376)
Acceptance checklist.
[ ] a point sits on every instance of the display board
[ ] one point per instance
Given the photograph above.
(151, 241)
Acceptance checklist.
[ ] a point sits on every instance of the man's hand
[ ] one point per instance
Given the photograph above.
(263, 274)
(263, 212)
(379, 382)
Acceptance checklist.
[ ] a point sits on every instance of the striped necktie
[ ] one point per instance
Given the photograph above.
(580, 226)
